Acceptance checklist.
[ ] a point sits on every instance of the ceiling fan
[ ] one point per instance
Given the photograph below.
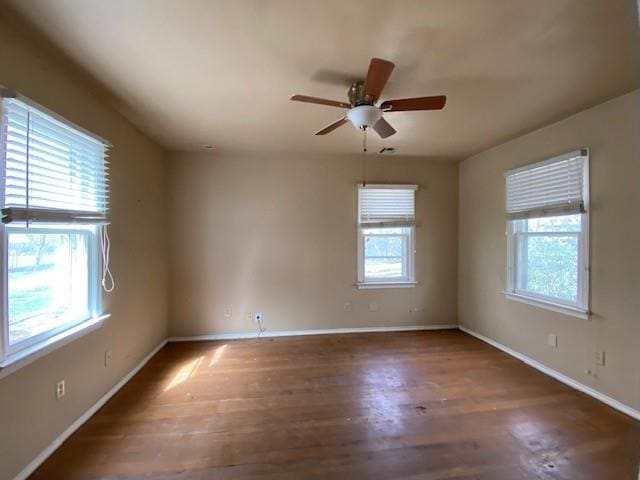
(363, 96)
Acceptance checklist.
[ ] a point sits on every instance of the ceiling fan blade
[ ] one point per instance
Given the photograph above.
(418, 103)
(383, 128)
(377, 76)
(319, 101)
(331, 127)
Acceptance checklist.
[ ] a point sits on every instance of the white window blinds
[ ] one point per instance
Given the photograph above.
(51, 171)
(553, 187)
(386, 205)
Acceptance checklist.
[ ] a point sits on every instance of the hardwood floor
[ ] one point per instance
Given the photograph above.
(412, 405)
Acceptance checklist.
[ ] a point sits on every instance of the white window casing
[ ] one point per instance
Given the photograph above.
(53, 180)
(387, 211)
(555, 187)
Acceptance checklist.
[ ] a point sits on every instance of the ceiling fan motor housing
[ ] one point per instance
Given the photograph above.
(356, 95)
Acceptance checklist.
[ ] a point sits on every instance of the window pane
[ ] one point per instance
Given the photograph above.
(384, 256)
(564, 223)
(48, 281)
(549, 265)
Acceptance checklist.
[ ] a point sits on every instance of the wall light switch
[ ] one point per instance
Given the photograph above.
(553, 340)
(373, 307)
(228, 312)
(600, 358)
(347, 307)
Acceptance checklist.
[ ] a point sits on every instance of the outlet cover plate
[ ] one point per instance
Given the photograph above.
(61, 389)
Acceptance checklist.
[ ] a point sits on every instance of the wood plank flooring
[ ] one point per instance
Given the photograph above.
(412, 405)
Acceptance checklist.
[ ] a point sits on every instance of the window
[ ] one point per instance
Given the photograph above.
(386, 235)
(548, 232)
(54, 199)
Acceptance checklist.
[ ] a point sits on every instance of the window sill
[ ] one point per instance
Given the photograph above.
(24, 357)
(554, 307)
(368, 285)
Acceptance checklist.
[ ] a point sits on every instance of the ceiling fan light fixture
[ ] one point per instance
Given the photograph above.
(364, 116)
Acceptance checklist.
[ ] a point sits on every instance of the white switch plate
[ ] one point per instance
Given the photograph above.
(250, 316)
(61, 389)
(228, 312)
(553, 340)
(600, 358)
(347, 307)
(107, 358)
(373, 307)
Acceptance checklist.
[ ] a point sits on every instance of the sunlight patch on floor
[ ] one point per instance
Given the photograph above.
(217, 354)
(184, 373)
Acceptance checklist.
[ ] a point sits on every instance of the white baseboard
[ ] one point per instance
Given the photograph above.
(612, 402)
(36, 462)
(294, 333)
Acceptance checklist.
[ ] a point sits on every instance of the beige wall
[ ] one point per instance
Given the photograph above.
(30, 417)
(612, 131)
(277, 233)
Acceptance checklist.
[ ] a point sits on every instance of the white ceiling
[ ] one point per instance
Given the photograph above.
(198, 72)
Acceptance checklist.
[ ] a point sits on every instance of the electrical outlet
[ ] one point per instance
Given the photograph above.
(347, 307)
(373, 307)
(107, 358)
(600, 358)
(257, 317)
(228, 312)
(553, 340)
(61, 389)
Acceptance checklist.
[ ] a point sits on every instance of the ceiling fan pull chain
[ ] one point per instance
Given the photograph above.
(364, 153)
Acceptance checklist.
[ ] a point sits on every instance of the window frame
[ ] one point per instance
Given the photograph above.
(94, 297)
(23, 352)
(580, 308)
(581, 305)
(408, 258)
(408, 280)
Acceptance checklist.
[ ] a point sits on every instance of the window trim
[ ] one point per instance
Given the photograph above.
(94, 297)
(409, 280)
(548, 305)
(22, 358)
(12, 358)
(581, 308)
(9, 353)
